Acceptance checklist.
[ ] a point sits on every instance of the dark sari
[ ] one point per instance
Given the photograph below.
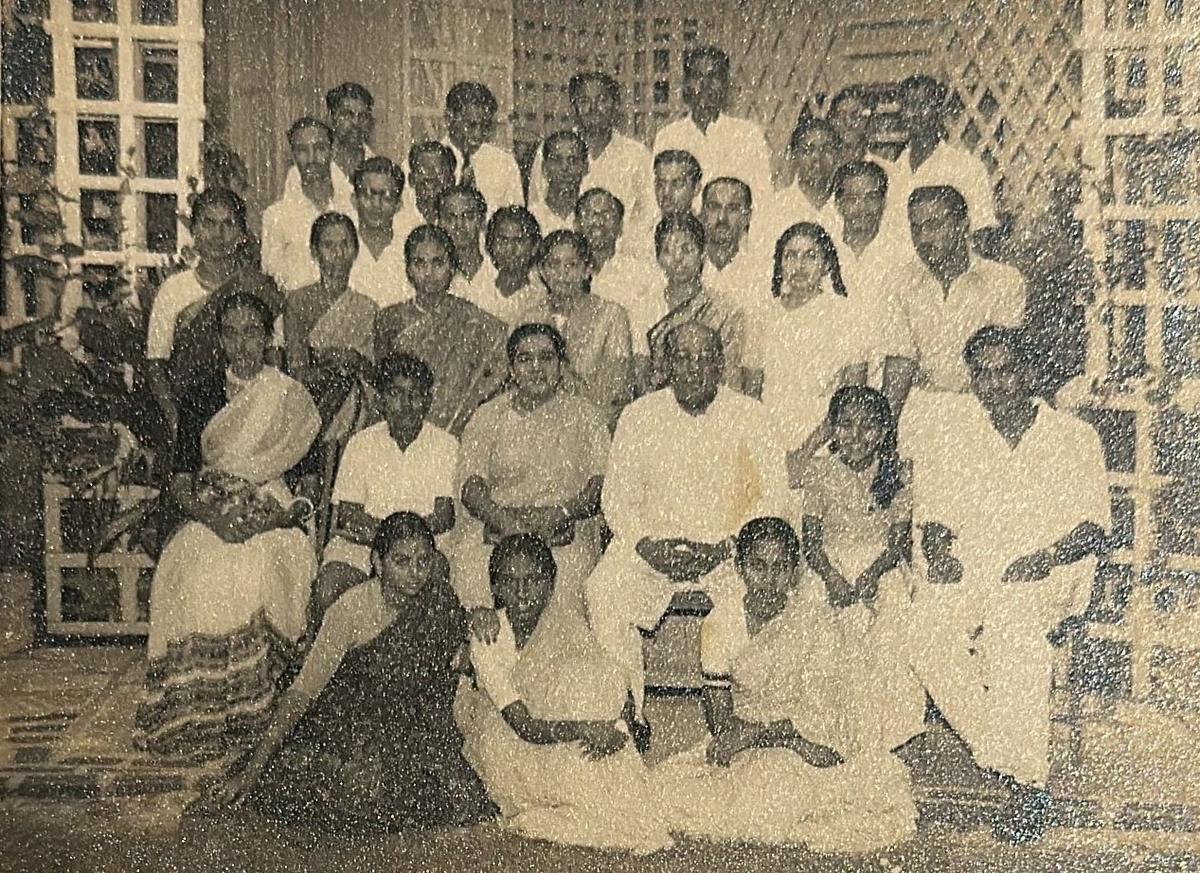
(379, 748)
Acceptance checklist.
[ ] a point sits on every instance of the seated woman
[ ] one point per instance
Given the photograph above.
(596, 330)
(775, 770)
(857, 520)
(542, 721)
(230, 591)
(365, 738)
(533, 461)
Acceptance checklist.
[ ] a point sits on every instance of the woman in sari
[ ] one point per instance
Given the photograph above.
(785, 764)
(596, 331)
(229, 595)
(365, 738)
(533, 461)
(542, 721)
(462, 344)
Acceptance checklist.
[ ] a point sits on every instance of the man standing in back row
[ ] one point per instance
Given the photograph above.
(471, 124)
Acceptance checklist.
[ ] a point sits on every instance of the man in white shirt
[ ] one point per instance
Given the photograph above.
(471, 124)
(616, 163)
(351, 111)
(617, 275)
(931, 159)
(850, 116)
(431, 171)
(815, 150)
(945, 297)
(462, 214)
(1010, 501)
(676, 184)
(737, 265)
(378, 270)
(288, 221)
(564, 166)
(689, 465)
(724, 145)
(403, 463)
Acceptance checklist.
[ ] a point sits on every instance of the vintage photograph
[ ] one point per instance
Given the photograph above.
(635, 435)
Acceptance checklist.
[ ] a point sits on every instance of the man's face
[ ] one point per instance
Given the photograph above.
(920, 109)
(769, 574)
(851, 119)
(595, 110)
(861, 203)
(461, 217)
(938, 234)
(244, 340)
(694, 367)
(511, 248)
(816, 158)
(405, 405)
(565, 164)
(681, 257)
(674, 188)
(536, 369)
(471, 127)
(429, 176)
(599, 221)
(311, 152)
(217, 233)
(335, 252)
(725, 214)
(376, 200)
(706, 86)
(429, 269)
(522, 589)
(353, 122)
(998, 380)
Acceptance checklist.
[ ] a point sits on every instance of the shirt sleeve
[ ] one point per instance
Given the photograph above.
(474, 455)
(353, 476)
(596, 438)
(273, 256)
(624, 485)
(494, 664)
(447, 468)
(160, 331)
(721, 636)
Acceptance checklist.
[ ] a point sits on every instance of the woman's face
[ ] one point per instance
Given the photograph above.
(536, 369)
(217, 232)
(522, 589)
(335, 252)
(857, 432)
(564, 271)
(681, 257)
(802, 264)
(769, 574)
(429, 269)
(406, 569)
(244, 340)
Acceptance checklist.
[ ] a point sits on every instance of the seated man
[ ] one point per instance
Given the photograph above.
(403, 463)
(1011, 500)
(689, 465)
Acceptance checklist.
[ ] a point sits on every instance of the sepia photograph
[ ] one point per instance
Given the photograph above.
(589, 435)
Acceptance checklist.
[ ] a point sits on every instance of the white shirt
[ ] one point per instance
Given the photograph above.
(672, 474)
(481, 286)
(635, 284)
(495, 663)
(548, 221)
(938, 324)
(730, 147)
(497, 177)
(484, 294)
(377, 474)
(287, 226)
(383, 279)
(949, 164)
(624, 169)
(746, 280)
(176, 294)
(343, 185)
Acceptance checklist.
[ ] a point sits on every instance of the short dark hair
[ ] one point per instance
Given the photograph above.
(218, 197)
(347, 91)
(601, 192)
(304, 123)
(383, 166)
(852, 169)
(402, 365)
(683, 221)
(246, 300)
(524, 331)
(729, 180)
(888, 481)
(326, 220)
(432, 147)
(428, 233)
(947, 195)
(396, 528)
(527, 544)
(1015, 339)
(463, 191)
(922, 80)
(807, 126)
(850, 92)
(572, 238)
(464, 94)
(608, 83)
(679, 156)
(517, 214)
(560, 135)
(705, 52)
(767, 529)
(824, 242)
